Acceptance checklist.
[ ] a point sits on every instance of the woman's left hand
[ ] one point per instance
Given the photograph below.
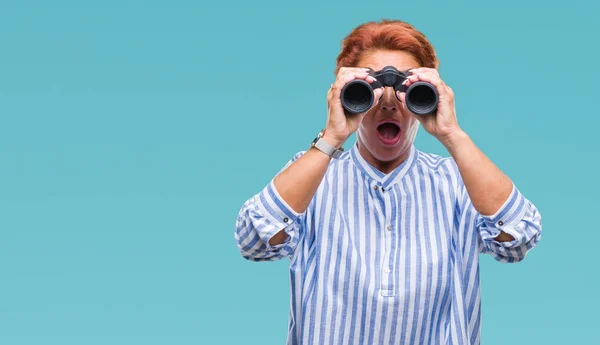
(443, 124)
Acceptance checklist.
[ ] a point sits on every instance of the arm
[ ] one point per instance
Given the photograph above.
(508, 224)
(487, 186)
(298, 183)
(265, 216)
(269, 224)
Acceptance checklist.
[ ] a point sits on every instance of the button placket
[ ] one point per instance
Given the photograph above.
(387, 271)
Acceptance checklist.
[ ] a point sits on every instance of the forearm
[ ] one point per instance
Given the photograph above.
(298, 183)
(488, 187)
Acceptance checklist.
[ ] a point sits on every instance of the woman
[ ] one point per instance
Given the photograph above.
(384, 239)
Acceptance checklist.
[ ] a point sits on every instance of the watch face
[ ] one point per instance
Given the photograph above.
(318, 137)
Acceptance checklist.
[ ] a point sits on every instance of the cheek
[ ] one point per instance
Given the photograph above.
(412, 122)
(412, 126)
(367, 122)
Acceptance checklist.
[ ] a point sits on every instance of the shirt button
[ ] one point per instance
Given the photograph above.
(285, 219)
(375, 187)
(389, 227)
(500, 222)
(387, 270)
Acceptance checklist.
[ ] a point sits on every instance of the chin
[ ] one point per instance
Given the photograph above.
(387, 153)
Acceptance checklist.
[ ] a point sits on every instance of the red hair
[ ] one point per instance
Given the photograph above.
(387, 35)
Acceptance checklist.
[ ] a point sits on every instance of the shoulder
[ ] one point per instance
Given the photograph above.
(444, 170)
(436, 164)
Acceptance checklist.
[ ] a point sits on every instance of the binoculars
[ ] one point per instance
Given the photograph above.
(357, 95)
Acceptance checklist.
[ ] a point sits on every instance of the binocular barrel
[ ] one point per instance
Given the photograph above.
(357, 97)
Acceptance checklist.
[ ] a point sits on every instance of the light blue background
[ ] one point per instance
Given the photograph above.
(131, 132)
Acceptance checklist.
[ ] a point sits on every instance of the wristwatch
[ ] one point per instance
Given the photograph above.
(325, 147)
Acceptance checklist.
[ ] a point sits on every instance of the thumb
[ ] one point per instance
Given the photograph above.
(402, 97)
(377, 95)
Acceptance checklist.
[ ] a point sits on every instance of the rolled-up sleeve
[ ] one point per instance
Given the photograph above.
(517, 217)
(263, 216)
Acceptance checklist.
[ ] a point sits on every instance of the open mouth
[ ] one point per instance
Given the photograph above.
(388, 133)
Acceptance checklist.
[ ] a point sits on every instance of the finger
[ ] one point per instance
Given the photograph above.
(402, 97)
(415, 76)
(360, 74)
(415, 72)
(351, 70)
(378, 92)
(425, 70)
(432, 79)
(343, 80)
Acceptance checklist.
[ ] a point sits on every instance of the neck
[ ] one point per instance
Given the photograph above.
(384, 167)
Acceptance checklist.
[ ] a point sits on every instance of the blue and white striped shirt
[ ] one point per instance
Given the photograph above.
(385, 259)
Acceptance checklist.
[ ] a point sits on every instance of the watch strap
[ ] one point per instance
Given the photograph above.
(325, 147)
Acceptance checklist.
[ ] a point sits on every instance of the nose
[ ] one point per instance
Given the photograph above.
(389, 107)
(388, 101)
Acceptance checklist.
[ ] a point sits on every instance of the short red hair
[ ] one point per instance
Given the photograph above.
(388, 35)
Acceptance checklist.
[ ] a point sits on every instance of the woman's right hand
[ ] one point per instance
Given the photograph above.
(339, 126)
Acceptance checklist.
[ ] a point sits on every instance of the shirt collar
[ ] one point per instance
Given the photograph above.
(383, 180)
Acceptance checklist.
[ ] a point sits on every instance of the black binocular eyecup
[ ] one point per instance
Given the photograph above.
(422, 98)
(357, 96)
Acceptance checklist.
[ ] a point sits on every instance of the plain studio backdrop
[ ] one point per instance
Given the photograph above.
(131, 132)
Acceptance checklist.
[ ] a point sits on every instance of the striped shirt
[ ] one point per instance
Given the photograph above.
(385, 258)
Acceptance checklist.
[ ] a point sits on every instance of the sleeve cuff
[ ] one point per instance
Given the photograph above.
(278, 213)
(506, 218)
